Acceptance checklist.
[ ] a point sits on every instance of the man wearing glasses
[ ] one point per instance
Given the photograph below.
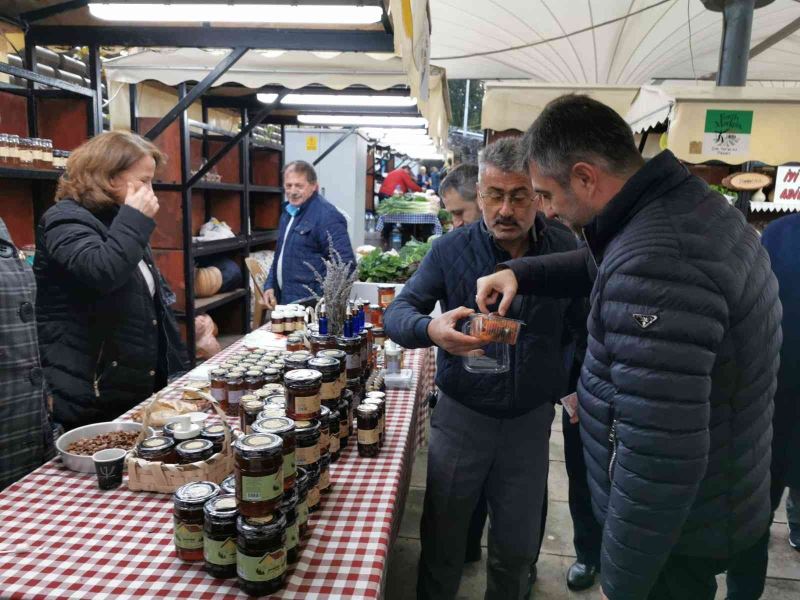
(489, 432)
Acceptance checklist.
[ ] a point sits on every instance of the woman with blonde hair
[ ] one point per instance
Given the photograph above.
(107, 336)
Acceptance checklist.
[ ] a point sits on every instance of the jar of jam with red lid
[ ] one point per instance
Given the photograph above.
(345, 422)
(285, 429)
(368, 416)
(302, 393)
(188, 501)
(324, 431)
(289, 510)
(235, 389)
(259, 474)
(329, 367)
(297, 360)
(219, 378)
(302, 500)
(324, 474)
(228, 485)
(249, 408)
(254, 380)
(335, 443)
(158, 448)
(313, 498)
(195, 450)
(307, 435)
(214, 433)
(381, 404)
(261, 554)
(219, 536)
(294, 343)
(352, 348)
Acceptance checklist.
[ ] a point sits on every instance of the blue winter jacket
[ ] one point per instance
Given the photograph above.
(308, 243)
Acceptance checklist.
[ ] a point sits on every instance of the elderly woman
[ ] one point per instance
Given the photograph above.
(107, 336)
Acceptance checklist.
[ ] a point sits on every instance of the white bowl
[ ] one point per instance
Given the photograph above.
(84, 464)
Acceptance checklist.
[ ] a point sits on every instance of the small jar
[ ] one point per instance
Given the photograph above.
(329, 367)
(219, 536)
(381, 404)
(313, 499)
(352, 347)
(278, 365)
(271, 411)
(378, 336)
(302, 500)
(307, 435)
(368, 329)
(289, 510)
(274, 388)
(215, 434)
(158, 448)
(375, 315)
(26, 153)
(289, 326)
(259, 474)
(234, 390)
(297, 360)
(254, 380)
(324, 431)
(368, 430)
(187, 518)
(335, 442)
(228, 485)
(261, 554)
(277, 321)
(385, 295)
(194, 451)
(320, 342)
(303, 393)
(341, 356)
(47, 153)
(294, 343)
(14, 150)
(325, 475)
(284, 428)
(345, 422)
(5, 149)
(249, 409)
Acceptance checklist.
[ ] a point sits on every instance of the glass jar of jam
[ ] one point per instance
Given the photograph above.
(259, 474)
(274, 388)
(249, 409)
(325, 474)
(158, 448)
(289, 510)
(228, 485)
(254, 380)
(13, 150)
(261, 554)
(196, 450)
(297, 360)
(320, 342)
(375, 315)
(345, 422)
(368, 416)
(219, 536)
(302, 500)
(277, 320)
(352, 347)
(307, 435)
(270, 412)
(385, 295)
(329, 367)
(335, 444)
(368, 329)
(187, 518)
(294, 343)
(341, 356)
(378, 336)
(284, 428)
(215, 434)
(313, 498)
(234, 389)
(324, 431)
(381, 404)
(302, 393)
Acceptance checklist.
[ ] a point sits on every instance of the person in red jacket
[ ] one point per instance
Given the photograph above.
(401, 178)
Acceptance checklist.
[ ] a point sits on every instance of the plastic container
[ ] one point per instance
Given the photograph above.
(498, 333)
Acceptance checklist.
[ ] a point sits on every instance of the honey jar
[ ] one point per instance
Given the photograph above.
(259, 474)
(368, 416)
(261, 554)
(219, 536)
(196, 450)
(303, 393)
(285, 429)
(188, 501)
(157, 449)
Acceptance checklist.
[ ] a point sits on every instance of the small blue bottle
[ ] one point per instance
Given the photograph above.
(323, 322)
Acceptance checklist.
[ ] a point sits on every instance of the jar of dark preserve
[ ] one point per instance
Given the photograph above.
(254, 379)
(345, 422)
(324, 474)
(302, 500)
(307, 435)
(259, 474)
(187, 511)
(321, 342)
(294, 343)
(235, 389)
(261, 554)
(368, 417)
(158, 448)
(313, 499)
(302, 393)
(271, 376)
(381, 404)
(228, 485)
(219, 378)
(324, 431)
(329, 367)
(219, 536)
(249, 408)
(352, 347)
(341, 356)
(335, 443)
(275, 388)
(284, 428)
(297, 360)
(289, 510)
(194, 451)
(215, 434)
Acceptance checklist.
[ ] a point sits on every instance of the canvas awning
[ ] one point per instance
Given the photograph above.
(728, 124)
(514, 104)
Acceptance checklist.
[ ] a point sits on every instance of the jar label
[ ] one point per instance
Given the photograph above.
(330, 390)
(368, 436)
(218, 394)
(188, 536)
(342, 382)
(325, 479)
(344, 429)
(289, 465)
(277, 327)
(305, 405)
(234, 397)
(353, 361)
(261, 568)
(259, 489)
(307, 456)
(221, 553)
(313, 496)
(383, 424)
(334, 444)
(324, 440)
(302, 512)
(292, 536)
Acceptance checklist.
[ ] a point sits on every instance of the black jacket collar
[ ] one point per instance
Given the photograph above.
(659, 175)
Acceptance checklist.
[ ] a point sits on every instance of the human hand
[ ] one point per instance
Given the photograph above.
(490, 288)
(142, 199)
(443, 333)
(270, 301)
(603, 595)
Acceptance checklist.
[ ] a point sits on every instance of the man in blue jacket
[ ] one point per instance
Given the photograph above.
(489, 432)
(307, 224)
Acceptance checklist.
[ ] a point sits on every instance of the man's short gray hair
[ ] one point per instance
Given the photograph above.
(504, 154)
(463, 180)
(302, 167)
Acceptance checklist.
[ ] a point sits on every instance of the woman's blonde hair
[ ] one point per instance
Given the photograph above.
(92, 166)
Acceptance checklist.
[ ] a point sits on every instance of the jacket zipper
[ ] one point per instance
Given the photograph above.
(96, 370)
(612, 438)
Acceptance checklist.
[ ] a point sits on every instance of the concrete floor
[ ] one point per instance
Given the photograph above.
(783, 582)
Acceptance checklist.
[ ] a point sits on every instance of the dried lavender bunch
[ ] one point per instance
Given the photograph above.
(336, 287)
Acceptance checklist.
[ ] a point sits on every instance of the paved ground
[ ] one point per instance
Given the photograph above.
(557, 553)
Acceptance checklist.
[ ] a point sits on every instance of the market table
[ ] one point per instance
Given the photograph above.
(410, 219)
(85, 543)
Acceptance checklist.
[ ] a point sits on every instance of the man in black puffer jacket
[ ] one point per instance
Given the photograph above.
(676, 391)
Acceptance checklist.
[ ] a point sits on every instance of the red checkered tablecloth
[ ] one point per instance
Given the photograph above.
(86, 543)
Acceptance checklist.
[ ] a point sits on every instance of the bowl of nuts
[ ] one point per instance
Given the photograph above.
(77, 445)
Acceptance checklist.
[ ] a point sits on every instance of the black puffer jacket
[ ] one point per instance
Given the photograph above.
(677, 385)
(105, 343)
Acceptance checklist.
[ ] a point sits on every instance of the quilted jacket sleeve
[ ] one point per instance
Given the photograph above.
(558, 275)
(663, 321)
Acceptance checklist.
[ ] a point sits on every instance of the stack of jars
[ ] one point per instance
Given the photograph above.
(30, 153)
(371, 421)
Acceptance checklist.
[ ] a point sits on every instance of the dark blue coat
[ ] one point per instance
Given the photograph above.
(308, 243)
(448, 274)
(782, 241)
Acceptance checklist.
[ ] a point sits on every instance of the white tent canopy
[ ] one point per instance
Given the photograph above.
(626, 42)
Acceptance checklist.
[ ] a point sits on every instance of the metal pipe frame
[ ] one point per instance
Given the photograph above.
(737, 26)
(186, 209)
(347, 133)
(44, 80)
(96, 79)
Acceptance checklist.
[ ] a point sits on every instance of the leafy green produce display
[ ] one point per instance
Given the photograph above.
(405, 204)
(392, 266)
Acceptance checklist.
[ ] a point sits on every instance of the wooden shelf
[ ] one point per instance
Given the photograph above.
(266, 146)
(266, 189)
(203, 305)
(225, 187)
(263, 237)
(22, 173)
(218, 246)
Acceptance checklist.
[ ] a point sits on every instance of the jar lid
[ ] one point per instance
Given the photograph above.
(302, 377)
(324, 461)
(386, 286)
(184, 432)
(324, 414)
(290, 500)
(369, 326)
(156, 442)
(194, 447)
(334, 415)
(262, 394)
(271, 372)
(252, 404)
(235, 374)
(278, 364)
(325, 364)
(215, 430)
(221, 506)
(379, 402)
(277, 314)
(276, 425)
(276, 399)
(254, 373)
(270, 412)
(263, 526)
(307, 427)
(259, 442)
(219, 372)
(366, 410)
(258, 351)
(347, 394)
(376, 394)
(377, 331)
(228, 484)
(348, 340)
(196, 492)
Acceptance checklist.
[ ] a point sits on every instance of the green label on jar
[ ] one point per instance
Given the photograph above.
(259, 489)
(289, 465)
(261, 568)
(292, 536)
(188, 536)
(221, 553)
(302, 513)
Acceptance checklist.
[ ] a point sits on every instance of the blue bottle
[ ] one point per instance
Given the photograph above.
(323, 322)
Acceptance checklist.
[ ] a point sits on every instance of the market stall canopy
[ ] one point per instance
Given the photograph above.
(614, 42)
(728, 124)
(514, 104)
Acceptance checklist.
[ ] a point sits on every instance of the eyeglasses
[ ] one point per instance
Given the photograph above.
(517, 198)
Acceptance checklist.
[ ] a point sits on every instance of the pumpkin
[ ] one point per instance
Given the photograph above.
(207, 281)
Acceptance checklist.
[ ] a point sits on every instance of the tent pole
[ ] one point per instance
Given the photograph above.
(466, 107)
(737, 19)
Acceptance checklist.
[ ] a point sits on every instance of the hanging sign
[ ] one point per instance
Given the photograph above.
(746, 182)
(312, 143)
(787, 183)
(727, 132)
